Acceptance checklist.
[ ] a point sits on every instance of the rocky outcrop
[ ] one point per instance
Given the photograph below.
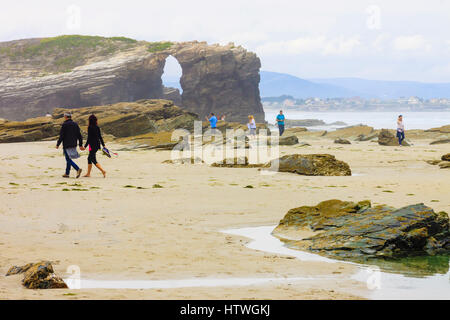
(311, 165)
(443, 129)
(342, 141)
(39, 276)
(352, 132)
(119, 120)
(290, 123)
(31, 130)
(441, 141)
(38, 75)
(357, 231)
(236, 162)
(387, 138)
(288, 140)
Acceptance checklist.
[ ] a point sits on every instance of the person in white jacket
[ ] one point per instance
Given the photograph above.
(251, 125)
(400, 130)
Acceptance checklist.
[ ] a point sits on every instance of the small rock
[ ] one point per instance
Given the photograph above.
(39, 276)
(342, 141)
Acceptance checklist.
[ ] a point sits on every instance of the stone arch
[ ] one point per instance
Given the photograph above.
(222, 79)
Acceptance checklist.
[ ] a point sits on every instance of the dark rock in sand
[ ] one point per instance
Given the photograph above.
(446, 157)
(358, 231)
(363, 137)
(39, 276)
(342, 141)
(444, 165)
(442, 141)
(311, 165)
(386, 138)
(287, 140)
(236, 162)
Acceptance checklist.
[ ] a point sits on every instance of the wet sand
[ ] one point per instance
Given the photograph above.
(114, 232)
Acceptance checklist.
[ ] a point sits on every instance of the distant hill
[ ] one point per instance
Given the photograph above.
(275, 84)
(389, 89)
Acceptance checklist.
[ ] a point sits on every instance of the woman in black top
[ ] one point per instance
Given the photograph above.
(94, 140)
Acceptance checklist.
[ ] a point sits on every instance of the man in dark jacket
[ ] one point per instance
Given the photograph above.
(69, 135)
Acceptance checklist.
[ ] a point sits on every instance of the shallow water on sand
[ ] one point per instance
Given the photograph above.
(381, 285)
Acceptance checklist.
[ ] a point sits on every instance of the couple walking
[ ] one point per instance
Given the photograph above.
(70, 134)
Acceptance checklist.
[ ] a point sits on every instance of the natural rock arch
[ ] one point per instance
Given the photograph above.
(220, 79)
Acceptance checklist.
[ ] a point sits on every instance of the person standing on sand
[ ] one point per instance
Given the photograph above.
(212, 121)
(251, 125)
(94, 140)
(280, 121)
(69, 135)
(400, 130)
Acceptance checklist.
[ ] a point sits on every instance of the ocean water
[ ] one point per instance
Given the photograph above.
(378, 120)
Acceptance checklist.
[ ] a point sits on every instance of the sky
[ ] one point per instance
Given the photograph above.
(380, 40)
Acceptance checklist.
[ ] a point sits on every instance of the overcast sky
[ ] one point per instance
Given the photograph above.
(386, 40)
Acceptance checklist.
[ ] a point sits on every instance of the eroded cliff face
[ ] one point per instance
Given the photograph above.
(219, 79)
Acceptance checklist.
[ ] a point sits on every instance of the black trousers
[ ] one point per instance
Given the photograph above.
(92, 158)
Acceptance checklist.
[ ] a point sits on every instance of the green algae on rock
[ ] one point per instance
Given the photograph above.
(311, 165)
(358, 231)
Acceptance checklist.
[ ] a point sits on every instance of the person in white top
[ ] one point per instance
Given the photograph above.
(251, 125)
(400, 130)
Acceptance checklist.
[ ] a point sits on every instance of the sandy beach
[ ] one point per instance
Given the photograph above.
(122, 228)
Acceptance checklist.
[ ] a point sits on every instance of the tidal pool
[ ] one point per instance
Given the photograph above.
(435, 284)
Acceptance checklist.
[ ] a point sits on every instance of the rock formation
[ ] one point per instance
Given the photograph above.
(342, 141)
(38, 75)
(386, 138)
(290, 123)
(311, 165)
(357, 231)
(38, 276)
(287, 140)
(124, 119)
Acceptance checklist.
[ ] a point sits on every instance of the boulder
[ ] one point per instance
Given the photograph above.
(387, 138)
(311, 165)
(39, 276)
(446, 157)
(287, 140)
(342, 141)
(358, 231)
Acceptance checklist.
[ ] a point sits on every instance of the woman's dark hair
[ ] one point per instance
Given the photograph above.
(92, 120)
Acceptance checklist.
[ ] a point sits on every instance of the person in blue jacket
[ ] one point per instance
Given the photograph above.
(280, 121)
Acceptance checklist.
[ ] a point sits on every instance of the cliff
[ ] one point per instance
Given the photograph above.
(38, 75)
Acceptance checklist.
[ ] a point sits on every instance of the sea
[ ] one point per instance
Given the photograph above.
(378, 120)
